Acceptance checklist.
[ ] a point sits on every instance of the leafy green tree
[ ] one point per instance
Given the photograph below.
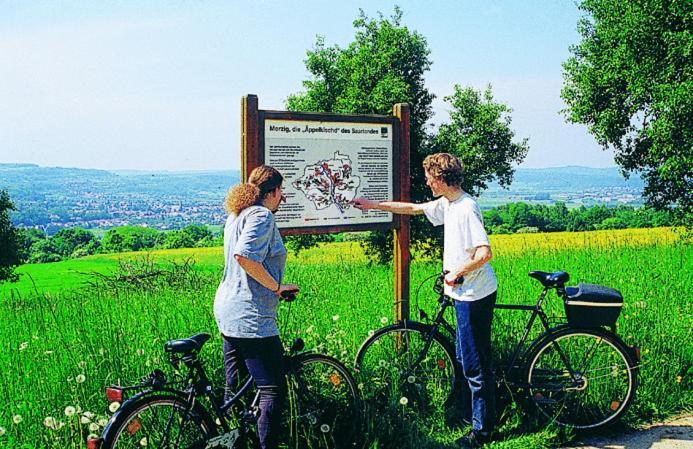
(479, 134)
(384, 65)
(197, 232)
(630, 80)
(67, 241)
(9, 241)
(129, 238)
(178, 239)
(44, 251)
(28, 237)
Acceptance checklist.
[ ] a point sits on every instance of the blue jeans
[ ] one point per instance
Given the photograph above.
(264, 360)
(474, 354)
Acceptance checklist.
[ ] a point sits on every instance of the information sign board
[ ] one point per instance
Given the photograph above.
(326, 164)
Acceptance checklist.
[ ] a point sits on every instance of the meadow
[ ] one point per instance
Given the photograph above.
(62, 341)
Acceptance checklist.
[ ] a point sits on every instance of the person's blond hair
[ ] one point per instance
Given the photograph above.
(240, 197)
(446, 167)
(262, 180)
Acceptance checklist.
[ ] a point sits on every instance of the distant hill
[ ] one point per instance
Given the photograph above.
(57, 197)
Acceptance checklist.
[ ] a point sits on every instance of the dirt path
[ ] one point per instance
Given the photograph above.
(675, 434)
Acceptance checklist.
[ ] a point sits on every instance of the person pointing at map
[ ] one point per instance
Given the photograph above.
(245, 305)
(470, 281)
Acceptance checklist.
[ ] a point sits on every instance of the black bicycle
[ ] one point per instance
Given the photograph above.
(577, 373)
(322, 409)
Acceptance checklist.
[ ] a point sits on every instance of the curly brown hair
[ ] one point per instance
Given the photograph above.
(266, 178)
(240, 197)
(445, 167)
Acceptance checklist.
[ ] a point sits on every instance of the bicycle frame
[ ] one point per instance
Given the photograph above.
(537, 311)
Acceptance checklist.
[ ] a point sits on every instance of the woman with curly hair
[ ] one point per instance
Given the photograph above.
(245, 305)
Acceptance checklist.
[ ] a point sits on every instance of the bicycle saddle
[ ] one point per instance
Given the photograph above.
(550, 279)
(185, 345)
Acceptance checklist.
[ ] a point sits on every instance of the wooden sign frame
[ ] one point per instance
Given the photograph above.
(253, 153)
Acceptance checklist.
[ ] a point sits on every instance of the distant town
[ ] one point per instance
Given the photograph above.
(54, 198)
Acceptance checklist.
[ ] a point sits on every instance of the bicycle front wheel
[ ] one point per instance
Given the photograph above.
(408, 365)
(582, 378)
(323, 404)
(158, 420)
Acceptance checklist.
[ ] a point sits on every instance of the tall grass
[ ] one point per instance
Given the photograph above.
(58, 350)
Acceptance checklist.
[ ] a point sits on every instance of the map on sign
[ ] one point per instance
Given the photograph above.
(329, 182)
(325, 166)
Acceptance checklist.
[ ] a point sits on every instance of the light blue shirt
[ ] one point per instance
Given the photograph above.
(243, 308)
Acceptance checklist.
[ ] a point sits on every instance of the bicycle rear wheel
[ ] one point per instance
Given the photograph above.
(323, 407)
(601, 387)
(398, 369)
(158, 420)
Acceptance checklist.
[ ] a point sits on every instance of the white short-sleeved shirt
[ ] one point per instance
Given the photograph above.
(463, 232)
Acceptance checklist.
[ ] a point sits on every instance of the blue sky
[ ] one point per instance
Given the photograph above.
(155, 85)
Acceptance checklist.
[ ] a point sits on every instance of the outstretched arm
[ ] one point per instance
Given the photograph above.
(396, 207)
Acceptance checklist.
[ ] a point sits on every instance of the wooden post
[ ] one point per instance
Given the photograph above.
(401, 254)
(250, 139)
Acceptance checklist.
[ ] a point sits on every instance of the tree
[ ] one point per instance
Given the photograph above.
(9, 241)
(384, 65)
(71, 240)
(630, 80)
(129, 238)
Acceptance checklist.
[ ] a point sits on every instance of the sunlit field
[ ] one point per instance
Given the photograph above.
(63, 341)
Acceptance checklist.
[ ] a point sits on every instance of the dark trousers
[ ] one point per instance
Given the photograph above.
(264, 360)
(474, 353)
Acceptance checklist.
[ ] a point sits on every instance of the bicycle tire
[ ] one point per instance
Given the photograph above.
(385, 364)
(323, 406)
(606, 378)
(158, 420)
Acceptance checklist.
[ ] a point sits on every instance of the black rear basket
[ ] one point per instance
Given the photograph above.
(592, 305)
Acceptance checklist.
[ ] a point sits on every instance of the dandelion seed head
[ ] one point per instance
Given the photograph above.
(88, 414)
(371, 333)
(80, 378)
(92, 436)
(93, 427)
(17, 419)
(84, 420)
(102, 422)
(70, 411)
(411, 379)
(335, 317)
(2, 431)
(114, 406)
(383, 320)
(403, 400)
(50, 422)
(324, 428)
(382, 363)
(143, 441)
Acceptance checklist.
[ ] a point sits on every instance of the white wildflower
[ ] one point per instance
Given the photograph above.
(143, 441)
(80, 378)
(88, 414)
(93, 427)
(383, 320)
(114, 406)
(50, 422)
(335, 317)
(403, 400)
(371, 333)
(17, 419)
(84, 420)
(70, 411)
(102, 422)
(411, 379)
(2, 431)
(324, 428)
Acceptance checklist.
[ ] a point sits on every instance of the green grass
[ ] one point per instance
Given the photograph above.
(57, 332)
